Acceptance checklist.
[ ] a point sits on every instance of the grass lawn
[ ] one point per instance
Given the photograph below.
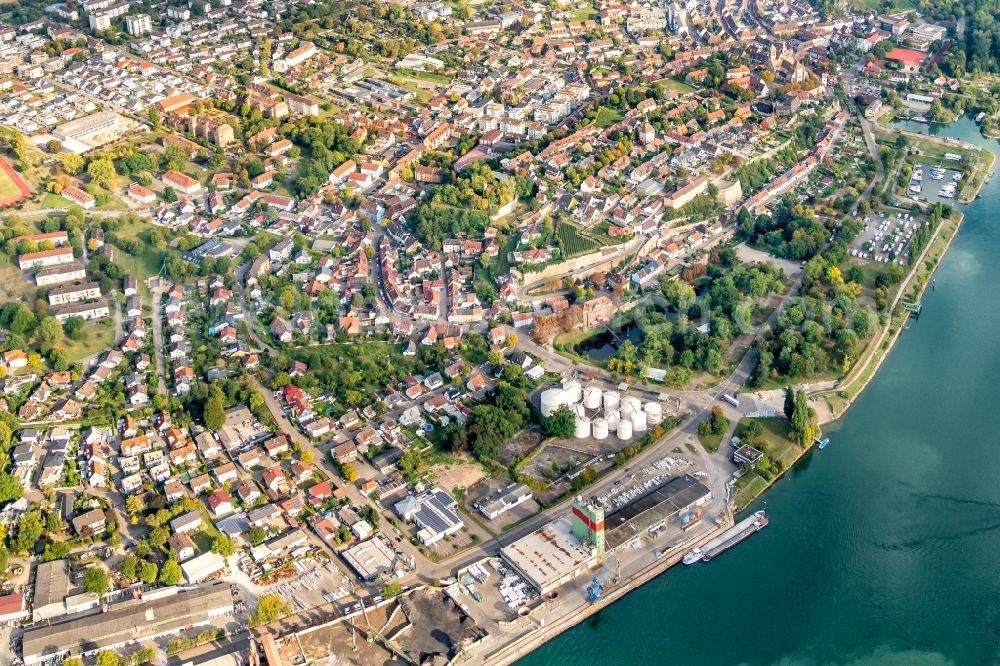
(606, 116)
(15, 284)
(584, 14)
(774, 441)
(55, 201)
(876, 5)
(441, 79)
(710, 443)
(97, 336)
(112, 204)
(203, 541)
(8, 188)
(677, 86)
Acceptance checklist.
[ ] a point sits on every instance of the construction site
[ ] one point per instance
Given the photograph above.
(421, 626)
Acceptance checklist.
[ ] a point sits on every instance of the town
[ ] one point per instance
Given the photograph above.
(419, 331)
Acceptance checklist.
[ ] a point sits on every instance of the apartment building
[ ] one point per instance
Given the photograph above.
(74, 293)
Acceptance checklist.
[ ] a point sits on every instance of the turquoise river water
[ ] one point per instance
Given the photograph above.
(884, 548)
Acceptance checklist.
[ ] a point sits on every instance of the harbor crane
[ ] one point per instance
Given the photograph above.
(595, 591)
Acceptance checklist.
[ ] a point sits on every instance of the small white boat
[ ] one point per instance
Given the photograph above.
(694, 556)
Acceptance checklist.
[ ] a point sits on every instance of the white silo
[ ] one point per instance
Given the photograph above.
(654, 413)
(552, 399)
(573, 390)
(611, 400)
(633, 402)
(581, 428)
(625, 429)
(613, 419)
(600, 428)
(592, 397)
(639, 421)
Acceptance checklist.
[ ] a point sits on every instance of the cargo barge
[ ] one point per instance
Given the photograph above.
(729, 538)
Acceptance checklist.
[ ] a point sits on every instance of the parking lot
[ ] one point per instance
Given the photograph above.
(885, 237)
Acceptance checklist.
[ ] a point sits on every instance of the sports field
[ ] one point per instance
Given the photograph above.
(12, 186)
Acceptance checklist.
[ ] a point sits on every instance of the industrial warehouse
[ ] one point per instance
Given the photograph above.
(676, 497)
(564, 549)
(126, 623)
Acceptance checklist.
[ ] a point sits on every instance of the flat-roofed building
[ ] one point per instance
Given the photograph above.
(369, 558)
(84, 128)
(59, 274)
(74, 292)
(504, 500)
(550, 556)
(199, 568)
(654, 509)
(434, 513)
(127, 623)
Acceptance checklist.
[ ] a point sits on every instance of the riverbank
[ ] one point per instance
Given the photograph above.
(544, 632)
(841, 397)
(859, 562)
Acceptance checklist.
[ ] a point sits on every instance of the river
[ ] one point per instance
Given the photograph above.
(882, 548)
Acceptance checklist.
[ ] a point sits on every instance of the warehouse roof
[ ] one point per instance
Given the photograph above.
(655, 506)
(548, 554)
(128, 622)
(369, 558)
(51, 583)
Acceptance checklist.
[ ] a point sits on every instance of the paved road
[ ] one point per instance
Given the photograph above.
(157, 296)
(866, 129)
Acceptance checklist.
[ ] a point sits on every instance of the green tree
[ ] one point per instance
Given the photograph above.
(257, 535)
(96, 581)
(560, 423)
(130, 567)
(271, 607)
(753, 431)
(223, 545)
(71, 163)
(171, 573)
(158, 537)
(214, 415)
(10, 488)
(107, 658)
(101, 171)
(73, 327)
(391, 590)
(50, 331)
(148, 572)
(29, 529)
(803, 419)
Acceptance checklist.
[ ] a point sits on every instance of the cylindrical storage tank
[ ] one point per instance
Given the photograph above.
(633, 402)
(639, 421)
(592, 397)
(654, 413)
(600, 428)
(611, 401)
(582, 427)
(624, 429)
(579, 410)
(574, 392)
(551, 399)
(613, 419)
